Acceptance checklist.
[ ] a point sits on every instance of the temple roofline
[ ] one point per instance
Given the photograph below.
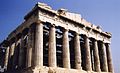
(45, 7)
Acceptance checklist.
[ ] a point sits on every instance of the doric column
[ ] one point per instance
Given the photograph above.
(33, 42)
(105, 67)
(6, 57)
(15, 62)
(66, 52)
(12, 49)
(29, 49)
(87, 53)
(77, 51)
(52, 47)
(21, 51)
(96, 56)
(11, 53)
(38, 55)
(109, 58)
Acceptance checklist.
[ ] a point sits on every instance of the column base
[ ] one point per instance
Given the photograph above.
(51, 70)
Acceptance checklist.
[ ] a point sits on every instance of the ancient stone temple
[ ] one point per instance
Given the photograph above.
(56, 41)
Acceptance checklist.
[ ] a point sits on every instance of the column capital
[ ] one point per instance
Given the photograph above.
(38, 22)
(12, 40)
(65, 30)
(107, 43)
(85, 36)
(52, 25)
(76, 33)
(95, 40)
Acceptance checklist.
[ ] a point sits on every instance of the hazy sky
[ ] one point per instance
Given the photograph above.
(105, 13)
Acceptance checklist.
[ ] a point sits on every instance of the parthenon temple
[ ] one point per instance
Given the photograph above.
(56, 41)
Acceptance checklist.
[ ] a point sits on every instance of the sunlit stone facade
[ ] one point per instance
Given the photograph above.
(56, 41)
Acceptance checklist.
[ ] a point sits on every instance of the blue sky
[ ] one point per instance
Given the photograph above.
(105, 13)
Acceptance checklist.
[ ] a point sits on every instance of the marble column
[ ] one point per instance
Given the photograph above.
(15, 62)
(109, 58)
(6, 57)
(88, 55)
(77, 51)
(66, 52)
(11, 53)
(29, 49)
(105, 67)
(33, 43)
(96, 56)
(12, 49)
(38, 55)
(52, 47)
(21, 51)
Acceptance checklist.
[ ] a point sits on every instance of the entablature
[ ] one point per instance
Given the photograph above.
(65, 19)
